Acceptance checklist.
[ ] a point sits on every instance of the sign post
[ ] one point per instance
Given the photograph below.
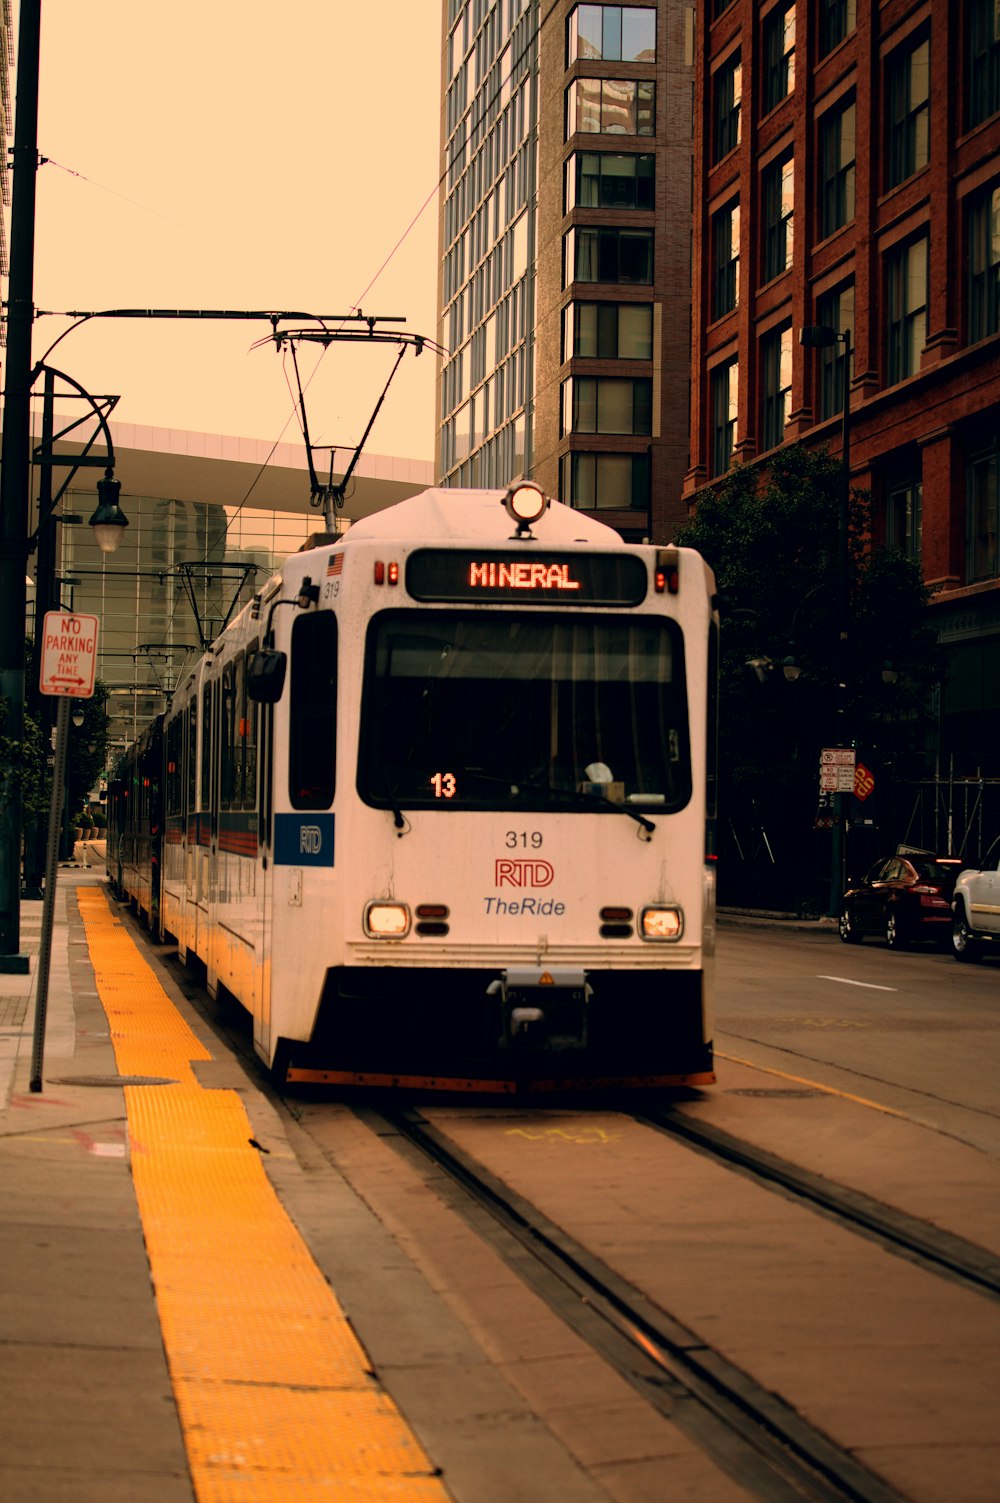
(68, 666)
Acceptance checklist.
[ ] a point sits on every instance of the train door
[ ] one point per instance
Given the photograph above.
(263, 926)
(209, 903)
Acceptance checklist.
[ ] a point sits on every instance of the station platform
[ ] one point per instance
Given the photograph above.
(165, 1334)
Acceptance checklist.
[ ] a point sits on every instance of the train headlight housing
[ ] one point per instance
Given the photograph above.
(661, 923)
(525, 503)
(387, 920)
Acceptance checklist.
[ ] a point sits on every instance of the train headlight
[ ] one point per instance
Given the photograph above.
(661, 923)
(387, 920)
(525, 503)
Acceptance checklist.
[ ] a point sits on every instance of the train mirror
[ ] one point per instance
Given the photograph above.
(266, 676)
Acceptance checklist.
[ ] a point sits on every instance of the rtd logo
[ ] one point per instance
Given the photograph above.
(310, 840)
(523, 873)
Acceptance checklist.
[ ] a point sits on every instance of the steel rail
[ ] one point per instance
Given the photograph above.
(940, 1251)
(751, 1432)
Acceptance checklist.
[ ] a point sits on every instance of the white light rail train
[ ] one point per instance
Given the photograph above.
(437, 808)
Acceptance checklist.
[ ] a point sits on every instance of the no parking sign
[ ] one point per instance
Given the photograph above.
(69, 654)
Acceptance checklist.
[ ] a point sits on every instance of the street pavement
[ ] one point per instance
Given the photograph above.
(87, 1412)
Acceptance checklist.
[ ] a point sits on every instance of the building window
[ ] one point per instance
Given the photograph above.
(984, 516)
(718, 6)
(607, 404)
(906, 310)
(609, 255)
(982, 39)
(612, 34)
(777, 200)
(835, 310)
(727, 89)
(608, 331)
(609, 482)
(776, 385)
(725, 387)
(611, 107)
(907, 79)
(725, 259)
(836, 168)
(609, 180)
(837, 19)
(904, 518)
(983, 241)
(778, 37)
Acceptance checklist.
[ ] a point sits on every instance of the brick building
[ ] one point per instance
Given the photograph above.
(847, 174)
(565, 248)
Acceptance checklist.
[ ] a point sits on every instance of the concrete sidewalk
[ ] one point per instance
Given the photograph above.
(88, 1413)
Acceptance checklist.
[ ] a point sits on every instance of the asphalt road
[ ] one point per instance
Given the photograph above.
(912, 1031)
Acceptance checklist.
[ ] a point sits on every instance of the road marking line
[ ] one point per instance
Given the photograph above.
(870, 985)
(889, 1111)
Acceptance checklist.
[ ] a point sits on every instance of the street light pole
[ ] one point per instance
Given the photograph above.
(16, 468)
(820, 336)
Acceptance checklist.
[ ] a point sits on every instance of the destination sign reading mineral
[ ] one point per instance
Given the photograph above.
(523, 578)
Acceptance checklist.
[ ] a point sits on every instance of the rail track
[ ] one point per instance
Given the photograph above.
(750, 1431)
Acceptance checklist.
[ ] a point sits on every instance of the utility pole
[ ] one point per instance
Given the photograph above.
(15, 463)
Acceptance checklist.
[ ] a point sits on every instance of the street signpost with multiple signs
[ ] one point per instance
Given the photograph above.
(67, 671)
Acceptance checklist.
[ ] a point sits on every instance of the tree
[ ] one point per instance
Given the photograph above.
(772, 537)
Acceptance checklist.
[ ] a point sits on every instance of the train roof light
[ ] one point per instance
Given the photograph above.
(525, 503)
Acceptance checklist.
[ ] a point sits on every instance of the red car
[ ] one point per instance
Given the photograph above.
(903, 898)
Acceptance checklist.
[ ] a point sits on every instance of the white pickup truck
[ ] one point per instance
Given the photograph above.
(976, 907)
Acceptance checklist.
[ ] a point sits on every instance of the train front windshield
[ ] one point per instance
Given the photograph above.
(466, 710)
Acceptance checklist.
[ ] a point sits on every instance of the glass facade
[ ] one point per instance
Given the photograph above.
(491, 106)
(611, 34)
(182, 570)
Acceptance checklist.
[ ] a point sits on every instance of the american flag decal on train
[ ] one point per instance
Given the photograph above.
(335, 565)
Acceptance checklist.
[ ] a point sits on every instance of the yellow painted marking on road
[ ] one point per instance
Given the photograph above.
(585, 1135)
(817, 1085)
(275, 1396)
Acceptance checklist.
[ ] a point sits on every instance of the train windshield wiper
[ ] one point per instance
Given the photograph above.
(578, 796)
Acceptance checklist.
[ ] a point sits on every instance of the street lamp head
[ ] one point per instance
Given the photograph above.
(818, 336)
(791, 669)
(78, 717)
(109, 521)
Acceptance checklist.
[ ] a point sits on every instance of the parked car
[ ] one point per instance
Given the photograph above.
(903, 898)
(976, 907)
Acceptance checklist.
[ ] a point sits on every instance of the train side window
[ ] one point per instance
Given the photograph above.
(175, 750)
(206, 747)
(192, 751)
(249, 713)
(227, 758)
(312, 731)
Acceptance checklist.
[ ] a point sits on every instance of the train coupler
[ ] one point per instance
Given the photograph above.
(542, 1009)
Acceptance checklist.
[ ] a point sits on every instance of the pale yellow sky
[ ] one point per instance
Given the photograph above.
(240, 154)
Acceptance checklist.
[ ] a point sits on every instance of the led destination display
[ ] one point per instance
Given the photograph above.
(527, 578)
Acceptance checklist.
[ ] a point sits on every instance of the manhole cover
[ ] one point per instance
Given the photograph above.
(777, 1091)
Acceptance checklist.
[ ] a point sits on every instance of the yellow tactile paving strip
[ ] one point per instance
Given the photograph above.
(275, 1398)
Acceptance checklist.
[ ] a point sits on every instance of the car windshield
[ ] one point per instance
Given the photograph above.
(464, 709)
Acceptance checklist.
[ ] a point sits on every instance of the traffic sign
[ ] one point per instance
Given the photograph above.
(864, 782)
(69, 654)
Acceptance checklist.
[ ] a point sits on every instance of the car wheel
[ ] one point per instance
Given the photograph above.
(849, 931)
(963, 942)
(895, 933)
